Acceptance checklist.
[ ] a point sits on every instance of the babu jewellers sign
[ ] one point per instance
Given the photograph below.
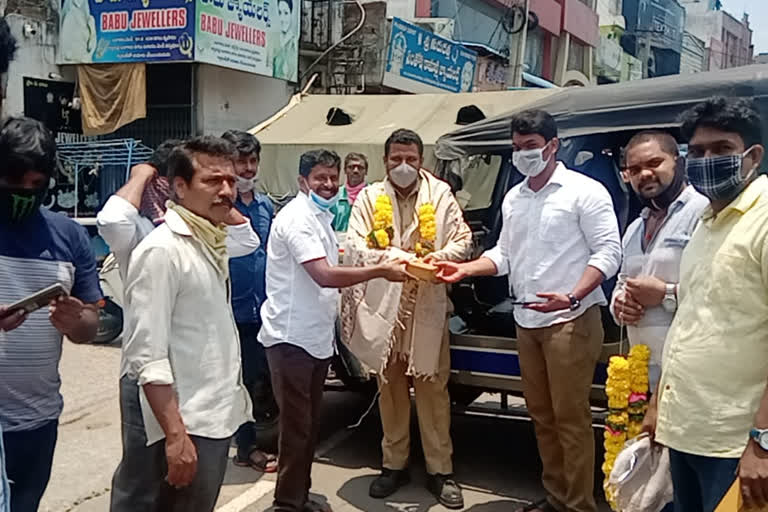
(249, 35)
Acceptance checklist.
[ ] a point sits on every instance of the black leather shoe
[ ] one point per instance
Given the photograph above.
(388, 482)
(446, 490)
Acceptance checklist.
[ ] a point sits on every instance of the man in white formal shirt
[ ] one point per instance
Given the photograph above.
(559, 241)
(645, 298)
(181, 344)
(299, 316)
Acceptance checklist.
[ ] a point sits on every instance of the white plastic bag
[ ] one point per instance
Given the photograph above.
(641, 480)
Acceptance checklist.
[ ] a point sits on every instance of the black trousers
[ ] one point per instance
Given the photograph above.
(28, 461)
(298, 380)
(139, 482)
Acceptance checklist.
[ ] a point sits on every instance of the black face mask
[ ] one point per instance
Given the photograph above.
(670, 193)
(19, 204)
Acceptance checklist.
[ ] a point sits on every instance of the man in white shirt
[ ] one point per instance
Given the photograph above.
(559, 241)
(299, 316)
(645, 299)
(181, 344)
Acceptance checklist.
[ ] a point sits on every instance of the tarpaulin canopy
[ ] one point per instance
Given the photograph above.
(303, 125)
(635, 105)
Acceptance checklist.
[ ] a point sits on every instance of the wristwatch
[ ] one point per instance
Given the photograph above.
(760, 435)
(669, 303)
(575, 303)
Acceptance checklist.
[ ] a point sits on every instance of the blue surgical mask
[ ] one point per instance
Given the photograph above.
(321, 202)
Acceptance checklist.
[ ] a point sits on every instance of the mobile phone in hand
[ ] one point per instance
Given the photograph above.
(38, 299)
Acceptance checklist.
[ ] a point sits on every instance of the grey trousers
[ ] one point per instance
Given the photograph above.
(139, 482)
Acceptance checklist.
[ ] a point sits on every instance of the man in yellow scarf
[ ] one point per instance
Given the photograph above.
(181, 343)
(400, 330)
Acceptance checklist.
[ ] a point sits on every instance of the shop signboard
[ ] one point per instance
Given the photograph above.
(99, 31)
(419, 61)
(257, 36)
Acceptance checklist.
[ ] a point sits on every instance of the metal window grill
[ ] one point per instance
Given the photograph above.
(116, 152)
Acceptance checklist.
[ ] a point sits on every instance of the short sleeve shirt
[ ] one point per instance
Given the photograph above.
(298, 311)
(46, 249)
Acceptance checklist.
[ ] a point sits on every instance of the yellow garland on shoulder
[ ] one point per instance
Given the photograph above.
(427, 230)
(381, 235)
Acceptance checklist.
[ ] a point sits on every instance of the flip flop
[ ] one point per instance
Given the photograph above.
(539, 506)
(267, 463)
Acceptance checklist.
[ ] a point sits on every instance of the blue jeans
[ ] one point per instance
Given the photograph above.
(700, 482)
(5, 490)
(28, 461)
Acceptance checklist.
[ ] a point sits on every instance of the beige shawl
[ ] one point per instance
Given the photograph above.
(376, 314)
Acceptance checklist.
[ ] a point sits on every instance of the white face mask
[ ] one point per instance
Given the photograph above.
(530, 162)
(403, 175)
(246, 184)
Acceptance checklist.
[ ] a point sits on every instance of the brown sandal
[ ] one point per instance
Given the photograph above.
(266, 462)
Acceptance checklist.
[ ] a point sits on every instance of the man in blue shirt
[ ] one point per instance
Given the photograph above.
(248, 294)
(38, 248)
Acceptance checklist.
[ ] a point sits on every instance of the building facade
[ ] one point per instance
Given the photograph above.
(728, 40)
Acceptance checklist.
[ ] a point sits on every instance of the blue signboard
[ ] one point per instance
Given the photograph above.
(662, 22)
(94, 31)
(419, 61)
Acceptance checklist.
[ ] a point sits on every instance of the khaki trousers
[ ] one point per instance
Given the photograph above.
(558, 366)
(433, 408)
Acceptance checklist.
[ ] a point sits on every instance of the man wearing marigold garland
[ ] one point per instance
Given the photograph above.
(559, 241)
(400, 330)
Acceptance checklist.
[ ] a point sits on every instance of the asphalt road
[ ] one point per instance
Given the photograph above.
(496, 460)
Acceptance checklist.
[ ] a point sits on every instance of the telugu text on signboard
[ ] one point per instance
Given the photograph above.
(257, 36)
(419, 61)
(98, 31)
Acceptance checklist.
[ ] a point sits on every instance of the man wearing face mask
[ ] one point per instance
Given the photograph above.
(248, 294)
(38, 248)
(299, 317)
(559, 241)
(711, 406)
(401, 331)
(645, 298)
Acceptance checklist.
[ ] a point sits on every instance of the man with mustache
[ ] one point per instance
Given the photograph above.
(653, 244)
(355, 170)
(299, 317)
(181, 343)
(130, 215)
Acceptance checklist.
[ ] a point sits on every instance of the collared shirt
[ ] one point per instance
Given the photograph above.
(122, 226)
(661, 259)
(298, 310)
(341, 211)
(248, 272)
(181, 331)
(715, 362)
(548, 239)
(46, 249)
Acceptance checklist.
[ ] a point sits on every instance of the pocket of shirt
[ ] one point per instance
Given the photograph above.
(557, 224)
(676, 241)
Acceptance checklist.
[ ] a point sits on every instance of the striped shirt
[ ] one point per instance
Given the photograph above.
(46, 249)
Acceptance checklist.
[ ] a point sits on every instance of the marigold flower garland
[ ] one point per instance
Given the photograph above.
(427, 230)
(627, 391)
(382, 233)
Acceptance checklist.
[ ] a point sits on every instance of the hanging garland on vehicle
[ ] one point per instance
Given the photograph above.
(627, 391)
